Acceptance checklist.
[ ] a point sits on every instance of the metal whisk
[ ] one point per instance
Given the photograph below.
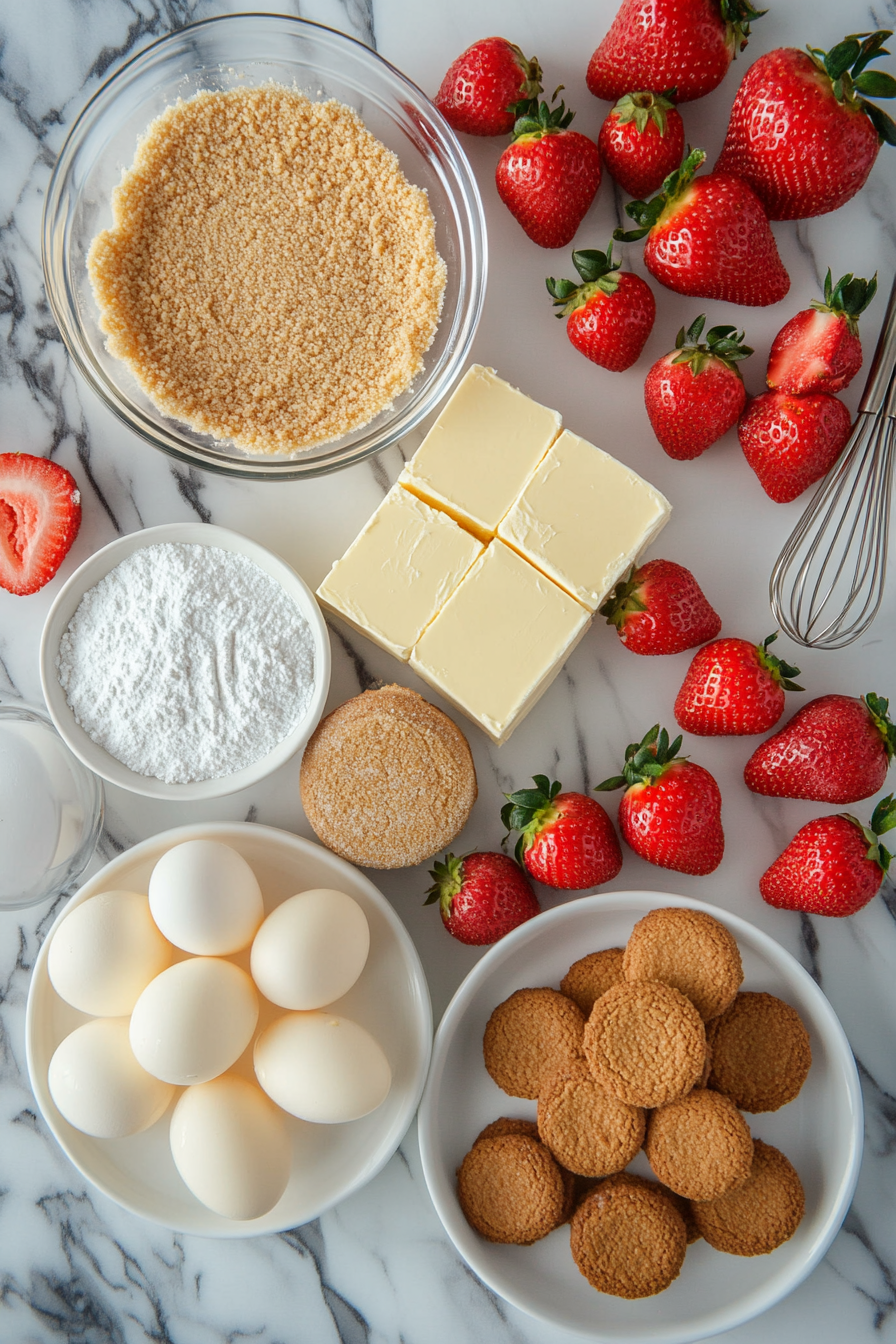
(828, 582)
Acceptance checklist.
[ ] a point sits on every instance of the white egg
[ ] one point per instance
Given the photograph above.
(205, 898)
(98, 1085)
(105, 952)
(194, 1020)
(321, 1067)
(231, 1146)
(311, 949)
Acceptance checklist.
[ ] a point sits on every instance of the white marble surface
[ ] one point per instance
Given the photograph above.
(73, 1266)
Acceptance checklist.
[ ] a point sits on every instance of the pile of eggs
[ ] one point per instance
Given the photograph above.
(161, 1023)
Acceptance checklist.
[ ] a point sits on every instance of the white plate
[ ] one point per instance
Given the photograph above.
(821, 1133)
(101, 563)
(329, 1161)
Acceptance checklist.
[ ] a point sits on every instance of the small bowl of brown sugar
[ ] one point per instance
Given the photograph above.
(264, 248)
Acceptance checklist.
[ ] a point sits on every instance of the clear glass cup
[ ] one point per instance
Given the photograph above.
(51, 810)
(245, 50)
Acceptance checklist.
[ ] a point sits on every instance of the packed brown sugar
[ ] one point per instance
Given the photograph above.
(271, 277)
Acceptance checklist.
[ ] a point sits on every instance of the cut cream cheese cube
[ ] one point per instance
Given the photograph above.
(481, 451)
(584, 518)
(398, 572)
(499, 640)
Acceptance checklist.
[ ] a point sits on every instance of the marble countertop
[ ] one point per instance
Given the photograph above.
(74, 1266)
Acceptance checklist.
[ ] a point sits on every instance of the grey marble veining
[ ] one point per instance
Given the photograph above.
(73, 1265)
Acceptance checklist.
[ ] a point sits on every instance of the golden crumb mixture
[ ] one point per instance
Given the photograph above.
(271, 277)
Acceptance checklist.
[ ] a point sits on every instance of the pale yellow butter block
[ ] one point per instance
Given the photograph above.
(481, 451)
(499, 640)
(584, 518)
(398, 572)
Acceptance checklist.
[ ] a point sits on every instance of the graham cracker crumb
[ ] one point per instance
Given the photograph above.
(271, 277)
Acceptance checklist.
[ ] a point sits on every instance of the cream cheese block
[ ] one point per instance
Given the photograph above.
(499, 640)
(398, 572)
(583, 518)
(481, 451)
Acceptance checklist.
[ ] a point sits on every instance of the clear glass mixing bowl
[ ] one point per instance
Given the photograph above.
(245, 50)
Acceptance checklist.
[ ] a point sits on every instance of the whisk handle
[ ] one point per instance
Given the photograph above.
(880, 389)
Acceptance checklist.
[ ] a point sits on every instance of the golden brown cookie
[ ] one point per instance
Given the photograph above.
(387, 779)
(689, 950)
(511, 1190)
(759, 1216)
(528, 1037)
(627, 1237)
(700, 1146)
(589, 1131)
(590, 977)
(506, 1124)
(761, 1052)
(645, 1043)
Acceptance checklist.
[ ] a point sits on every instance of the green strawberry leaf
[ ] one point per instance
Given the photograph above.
(878, 708)
(882, 123)
(876, 84)
(647, 213)
(883, 818)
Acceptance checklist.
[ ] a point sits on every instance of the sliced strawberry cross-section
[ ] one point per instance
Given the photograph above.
(40, 513)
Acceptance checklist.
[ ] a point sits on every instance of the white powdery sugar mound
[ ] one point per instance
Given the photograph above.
(187, 662)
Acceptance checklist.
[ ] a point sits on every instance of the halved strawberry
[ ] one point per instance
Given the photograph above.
(819, 349)
(40, 513)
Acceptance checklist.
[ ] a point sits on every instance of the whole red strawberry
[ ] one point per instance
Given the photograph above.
(671, 811)
(566, 839)
(548, 176)
(733, 688)
(661, 608)
(695, 394)
(819, 350)
(40, 513)
(791, 442)
(832, 866)
(481, 896)
(709, 237)
(642, 142)
(836, 749)
(655, 44)
(610, 314)
(801, 133)
(482, 87)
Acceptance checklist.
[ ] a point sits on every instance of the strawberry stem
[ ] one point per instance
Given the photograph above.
(645, 761)
(647, 213)
(877, 707)
(847, 299)
(883, 819)
(845, 65)
(448, 878)
(781, 671)
(529, 811)
(723, 343)
(598, 271)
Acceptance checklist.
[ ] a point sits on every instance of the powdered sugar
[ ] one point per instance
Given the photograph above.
(187, 662)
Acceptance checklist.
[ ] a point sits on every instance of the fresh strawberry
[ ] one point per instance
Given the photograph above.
(480, 92)
(660, 608)
(566, 839)
(655, 44)
(819, 350)
(695, 394)
(734, 688)
(832, 866)
(836, 749)
(671, 811)
(709, 237)
(610, 314)
(800, 131)
(642, 142)
(40, 513)
(791, 442)
(481, 896)
(549, 175)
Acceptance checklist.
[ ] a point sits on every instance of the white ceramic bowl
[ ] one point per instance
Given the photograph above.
(330, 1162)
(96, 568)
(821, 1133)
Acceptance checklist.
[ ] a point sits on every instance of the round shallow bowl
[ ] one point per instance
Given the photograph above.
(51, 810)
(821, 1133)
(97, 567)
(330, 1162)
(245, 50)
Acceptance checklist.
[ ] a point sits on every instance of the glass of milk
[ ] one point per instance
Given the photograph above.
(51, 809)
